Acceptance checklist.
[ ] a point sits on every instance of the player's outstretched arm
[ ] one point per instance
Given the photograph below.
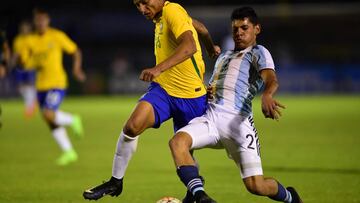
(5, 58)
(77, 63)
(270, 107)
(205, 37)
(186, 48)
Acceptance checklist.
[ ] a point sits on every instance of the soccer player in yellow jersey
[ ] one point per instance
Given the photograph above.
(43, 52)
(176, 90)
(25, 79)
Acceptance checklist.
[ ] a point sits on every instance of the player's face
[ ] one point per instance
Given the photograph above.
(149, 8)
(25, 28)
(41, 21)
(244, 33)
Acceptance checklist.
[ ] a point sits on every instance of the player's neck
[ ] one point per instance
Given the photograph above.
(243, 48)
(159, 14)
(42, 32)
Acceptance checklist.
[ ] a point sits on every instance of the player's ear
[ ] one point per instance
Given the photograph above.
(257, 29)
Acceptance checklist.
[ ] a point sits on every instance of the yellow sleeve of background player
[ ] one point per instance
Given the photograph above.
(177, 18)
(66, 43)
(18, 44)
(22, 49)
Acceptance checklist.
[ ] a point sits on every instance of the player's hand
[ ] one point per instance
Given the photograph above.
(79, 75)
(215, 52)
(271, 107)
(210, 93)
(149, 74)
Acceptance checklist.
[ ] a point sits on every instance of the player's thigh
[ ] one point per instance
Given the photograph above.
(140, 119)
(203, 133)
(244, 148)
(184, 110)
(157, 97)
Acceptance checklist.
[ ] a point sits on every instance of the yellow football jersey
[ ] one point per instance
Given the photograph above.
(45, 54)
(184, 80)
(19, 46)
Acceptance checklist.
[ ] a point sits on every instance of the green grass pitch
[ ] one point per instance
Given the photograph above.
(314, 147)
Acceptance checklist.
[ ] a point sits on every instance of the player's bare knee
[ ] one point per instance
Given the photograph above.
(132, 129)
(49, 116)
(180, 142)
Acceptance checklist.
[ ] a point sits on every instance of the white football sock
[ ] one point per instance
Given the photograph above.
(62, 139)
(28, 93)
(63, 118)
(126, 147)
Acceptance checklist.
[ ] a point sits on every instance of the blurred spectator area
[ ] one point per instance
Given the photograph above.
(314, 45)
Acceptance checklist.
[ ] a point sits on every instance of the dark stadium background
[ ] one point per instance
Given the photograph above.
(314, 43)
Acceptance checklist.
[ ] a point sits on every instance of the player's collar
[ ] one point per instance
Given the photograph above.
(244, 50)
(160, 12)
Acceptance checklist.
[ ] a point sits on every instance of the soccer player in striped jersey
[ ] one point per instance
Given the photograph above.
(228, 122)
(176, 89)
(43, 52)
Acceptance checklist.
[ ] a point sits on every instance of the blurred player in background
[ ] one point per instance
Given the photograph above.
(176, 89)
(4, 54)
(43, 52)
(228, 122)
(25, 79)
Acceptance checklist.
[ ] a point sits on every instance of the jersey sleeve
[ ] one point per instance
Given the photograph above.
(66, 43)
(22, 49)
(18, 45)
(177, 18)
(264, 59)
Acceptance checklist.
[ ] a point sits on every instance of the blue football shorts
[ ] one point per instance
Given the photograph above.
(24, 76)
(182, 110)
(50, 99)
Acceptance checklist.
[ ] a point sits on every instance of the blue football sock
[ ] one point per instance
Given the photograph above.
(282, 195)
(189, 175)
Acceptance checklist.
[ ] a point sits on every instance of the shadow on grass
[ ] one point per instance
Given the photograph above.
(313, 170)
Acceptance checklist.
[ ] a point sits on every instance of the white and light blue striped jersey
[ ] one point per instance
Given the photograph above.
(236, 77)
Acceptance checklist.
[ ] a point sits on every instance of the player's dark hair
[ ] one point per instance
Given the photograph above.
(40, 10)
(245, 12)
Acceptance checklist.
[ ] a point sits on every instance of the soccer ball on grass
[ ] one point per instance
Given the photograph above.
(168, 200)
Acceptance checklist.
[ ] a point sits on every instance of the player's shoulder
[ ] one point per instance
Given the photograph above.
(25, 38)
(55, 31)
(171, 7)
(19, 38)
(260, 50)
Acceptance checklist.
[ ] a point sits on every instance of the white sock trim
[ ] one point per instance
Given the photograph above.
(288, 198)
(128, 137)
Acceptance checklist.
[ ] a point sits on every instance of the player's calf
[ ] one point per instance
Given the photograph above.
(269, 187)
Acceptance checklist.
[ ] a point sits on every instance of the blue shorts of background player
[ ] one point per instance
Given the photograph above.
(51, 99)
(166, 106)
(24, 76)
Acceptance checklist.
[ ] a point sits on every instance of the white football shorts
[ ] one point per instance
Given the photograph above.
(221, 128)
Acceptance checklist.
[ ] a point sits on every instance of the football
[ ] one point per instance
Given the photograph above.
(168, 200)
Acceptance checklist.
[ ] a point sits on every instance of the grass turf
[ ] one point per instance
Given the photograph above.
(314, 147)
